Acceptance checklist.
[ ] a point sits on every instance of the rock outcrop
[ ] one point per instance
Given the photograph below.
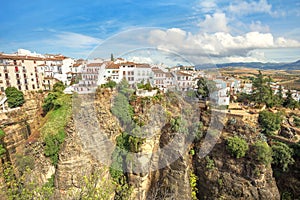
(231, 178)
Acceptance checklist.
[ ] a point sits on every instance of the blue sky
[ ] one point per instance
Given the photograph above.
(202, 31)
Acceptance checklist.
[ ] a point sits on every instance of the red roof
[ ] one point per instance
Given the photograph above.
(94, 64)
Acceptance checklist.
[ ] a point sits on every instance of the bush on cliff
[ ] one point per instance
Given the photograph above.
(15, 97)
(263, 152)
(237, 146)
(282, 155)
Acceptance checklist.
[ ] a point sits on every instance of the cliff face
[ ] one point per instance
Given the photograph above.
(19, 124)
(79, 155)
(219, 174)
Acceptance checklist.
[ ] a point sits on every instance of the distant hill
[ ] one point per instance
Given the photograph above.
(256, 65)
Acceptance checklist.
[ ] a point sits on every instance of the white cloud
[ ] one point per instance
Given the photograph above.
(206, 6)
(74, 40)
(214, 23)
(258, 26)
(218, 46)
(245, 8)
(140, 59)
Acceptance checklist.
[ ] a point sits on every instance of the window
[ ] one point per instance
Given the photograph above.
(22, 61)
(32, 79)
(19, 87)
(34, 62)
(16, 69)
(33, 86)
(26, 87)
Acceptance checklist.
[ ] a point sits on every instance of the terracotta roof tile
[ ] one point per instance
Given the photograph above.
(94, 64)
(113, 66)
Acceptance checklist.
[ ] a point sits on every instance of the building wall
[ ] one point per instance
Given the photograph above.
(22, 74)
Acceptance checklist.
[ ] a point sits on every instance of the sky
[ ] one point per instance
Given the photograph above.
(201, 31)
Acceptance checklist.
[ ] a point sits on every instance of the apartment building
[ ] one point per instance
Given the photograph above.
(30, 71)
(20, 72)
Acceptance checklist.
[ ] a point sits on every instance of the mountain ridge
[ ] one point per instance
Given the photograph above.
(257, 65)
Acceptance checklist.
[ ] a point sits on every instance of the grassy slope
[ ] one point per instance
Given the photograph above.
(56, 120)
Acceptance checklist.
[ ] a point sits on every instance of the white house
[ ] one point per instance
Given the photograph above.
(184, 80)
(143, 72)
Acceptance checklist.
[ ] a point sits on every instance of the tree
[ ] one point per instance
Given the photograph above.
(110, 84)
(112, 57)
(263, 152)
(270, 122)
(244, 98)
(52, 145)
(205, 87)
(15, 98)
(289, 102)
(237, 146)
(49, 102)
(262, 92)
(122, 109)
(282, 155)
(124, 88)
(58, 87)
(280, 96)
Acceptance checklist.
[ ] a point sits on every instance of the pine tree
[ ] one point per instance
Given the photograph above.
(289, 101)
(261, 89)
(279, 96)
(112, 57)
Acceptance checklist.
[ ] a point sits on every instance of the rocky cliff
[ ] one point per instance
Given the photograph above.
(84, 152)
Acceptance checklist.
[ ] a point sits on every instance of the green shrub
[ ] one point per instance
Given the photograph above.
(122, 109)
(146, 86)
(297, 121)
(197, 130)
(282, 155)
(193, 185)
(263, 152)
(210, 164)
(24, 162)
(2, 134)
(49, 102)
(15, 98)
(237, 146)
(178, 124)
(192, 152)
(110, 84)
(58, 87)
(2, 150)
(270, 122)
(52, 146)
